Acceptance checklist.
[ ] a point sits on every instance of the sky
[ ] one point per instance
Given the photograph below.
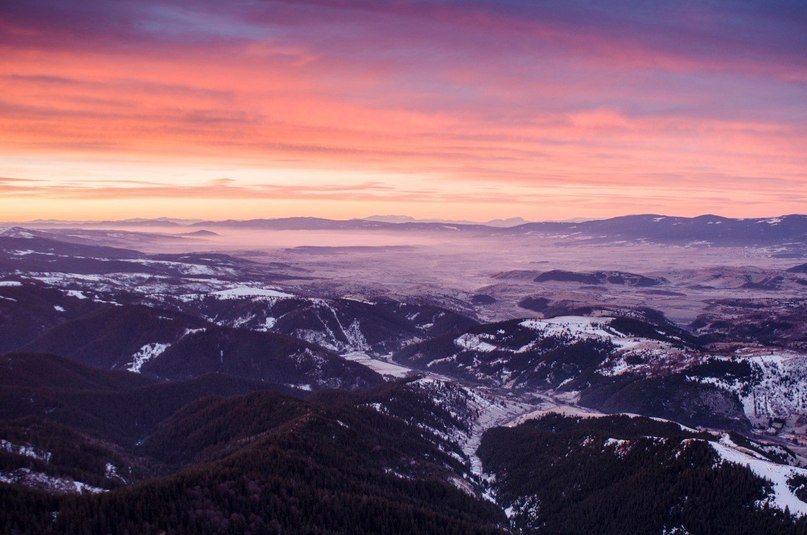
(471, 110)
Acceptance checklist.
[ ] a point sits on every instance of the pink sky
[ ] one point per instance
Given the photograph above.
(465, 110)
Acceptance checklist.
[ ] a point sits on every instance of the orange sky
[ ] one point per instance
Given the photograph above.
(473, 110)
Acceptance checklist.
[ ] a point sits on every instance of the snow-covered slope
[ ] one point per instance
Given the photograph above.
(546, 353)
(771, 386)
(782, 494)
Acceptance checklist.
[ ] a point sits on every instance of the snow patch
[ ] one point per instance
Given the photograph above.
(621, 447)
(111, 472)
(26, 451)
(193, 331)
(474, 342)
(39, 480)
(145, 354)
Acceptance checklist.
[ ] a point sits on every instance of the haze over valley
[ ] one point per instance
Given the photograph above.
(488, 330)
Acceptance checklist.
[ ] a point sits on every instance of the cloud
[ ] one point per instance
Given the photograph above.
(521, 96)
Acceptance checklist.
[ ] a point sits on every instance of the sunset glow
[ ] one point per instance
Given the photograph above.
(466, 110)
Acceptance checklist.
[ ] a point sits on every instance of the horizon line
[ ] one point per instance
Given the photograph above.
(184, 221)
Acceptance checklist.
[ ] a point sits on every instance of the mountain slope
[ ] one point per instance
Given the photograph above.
(554, 351)
(110, 337)
(266, 462)
(629, 475)
(116, 406)
(342, 325)
(258, 355)
(29, 308)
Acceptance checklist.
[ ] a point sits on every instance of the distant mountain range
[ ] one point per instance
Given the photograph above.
(506, 222)
(652, 228)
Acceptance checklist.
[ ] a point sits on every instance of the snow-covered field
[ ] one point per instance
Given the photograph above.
(383, 367)
(576, 326)
(238, 292)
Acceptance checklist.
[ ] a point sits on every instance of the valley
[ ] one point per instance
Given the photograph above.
(456, 360)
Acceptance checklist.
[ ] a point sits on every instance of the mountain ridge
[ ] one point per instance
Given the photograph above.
(655, 228)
